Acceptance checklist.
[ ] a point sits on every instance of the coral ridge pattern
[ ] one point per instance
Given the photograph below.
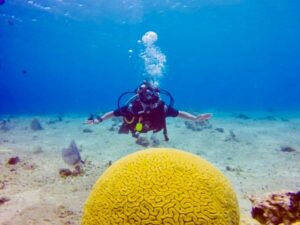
(161, 186)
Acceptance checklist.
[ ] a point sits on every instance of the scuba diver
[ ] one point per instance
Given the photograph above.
(146, 111)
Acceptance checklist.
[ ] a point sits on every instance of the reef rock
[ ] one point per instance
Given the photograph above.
(143, 141)
(3, 200)
(277, 208)
(87, 130)
(242, 116)
(197, 125)
(5, 125)
(78, 170)
(231, 137)
(219, 129)
(35, 125)
(13, 160)
(287, 149)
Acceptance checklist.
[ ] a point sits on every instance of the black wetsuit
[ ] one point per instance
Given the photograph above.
(152, 119)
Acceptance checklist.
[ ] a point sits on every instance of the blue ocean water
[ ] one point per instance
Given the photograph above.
(79, 56)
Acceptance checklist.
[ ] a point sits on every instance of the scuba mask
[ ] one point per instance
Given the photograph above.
(148, 95)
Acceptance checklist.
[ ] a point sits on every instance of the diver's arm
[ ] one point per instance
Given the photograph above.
(188, 116)
(99, 119)
(106, 116)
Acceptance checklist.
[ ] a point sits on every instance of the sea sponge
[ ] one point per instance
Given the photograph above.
(161, 186)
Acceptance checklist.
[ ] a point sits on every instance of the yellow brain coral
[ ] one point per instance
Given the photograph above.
(161, 186)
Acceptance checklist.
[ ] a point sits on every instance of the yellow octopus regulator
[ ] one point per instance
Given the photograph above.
(161, 186)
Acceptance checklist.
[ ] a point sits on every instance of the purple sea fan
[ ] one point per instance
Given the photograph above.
(71, 155)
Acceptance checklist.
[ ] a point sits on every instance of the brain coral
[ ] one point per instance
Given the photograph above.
(161, 186)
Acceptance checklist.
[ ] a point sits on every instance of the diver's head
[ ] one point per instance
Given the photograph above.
(148, 93)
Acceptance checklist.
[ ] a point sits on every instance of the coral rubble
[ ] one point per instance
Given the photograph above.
(277, 208)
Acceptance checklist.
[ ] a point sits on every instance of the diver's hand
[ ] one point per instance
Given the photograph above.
(205, 116)
(92, 120)
(89, 122)
(98, 120)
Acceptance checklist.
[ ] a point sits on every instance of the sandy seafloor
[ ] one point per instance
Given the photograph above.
(253, 163)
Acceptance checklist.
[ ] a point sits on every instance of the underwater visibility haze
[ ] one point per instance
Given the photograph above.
(79, 56)
(233, 69)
